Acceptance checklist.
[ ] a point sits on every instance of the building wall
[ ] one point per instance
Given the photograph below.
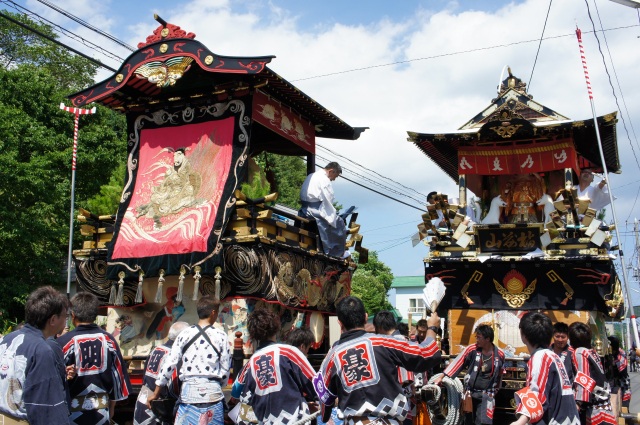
(402, 300)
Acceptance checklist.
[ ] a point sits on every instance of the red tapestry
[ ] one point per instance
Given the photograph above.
(518, 160)
(181, 174)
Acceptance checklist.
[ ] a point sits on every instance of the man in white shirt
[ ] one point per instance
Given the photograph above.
(316, 197)
(598, 194)
(206, 359)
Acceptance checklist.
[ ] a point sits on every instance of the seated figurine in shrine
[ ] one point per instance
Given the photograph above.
(521, 197)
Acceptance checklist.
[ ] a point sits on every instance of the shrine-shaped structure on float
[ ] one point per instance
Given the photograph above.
(519, 235)
(184, 228)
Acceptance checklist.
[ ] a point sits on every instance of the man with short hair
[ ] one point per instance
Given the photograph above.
(316, 197)
(301, 338)
(484, 364)
(206, 360)
(561, 347)
(101, 375)
(32, 380)
(360, 370)
(547, 397)
(142, 414)
(421, 331)
(277, 380)
(592, 391)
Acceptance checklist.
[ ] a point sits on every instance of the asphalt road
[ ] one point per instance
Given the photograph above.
(634, 407)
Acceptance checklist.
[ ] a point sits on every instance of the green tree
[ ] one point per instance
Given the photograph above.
(371, 283)
(36, 151)
(20, 46)
(106, 202)
(286, 175)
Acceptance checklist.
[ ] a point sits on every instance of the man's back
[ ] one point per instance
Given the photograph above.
(361, 370)
(205, 363)
(276, 379)
(549, 381)
(142, 414)
(101, 374)
(28, 363)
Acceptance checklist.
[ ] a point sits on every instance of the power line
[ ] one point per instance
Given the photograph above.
(87, 25)
(371, 171)
(539, 45)
(373, 190)
(478, 49)
(61, 30)
(613, 90)
(595, 33)
(53, 40)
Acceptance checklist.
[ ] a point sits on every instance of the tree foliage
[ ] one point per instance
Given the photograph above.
(36, 151)
(286, 175)
(371, 283)
(20, 46)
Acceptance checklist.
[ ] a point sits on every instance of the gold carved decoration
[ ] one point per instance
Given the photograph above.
(506, 131)
(164, 32)
(616, 300)
(119, 78)
(515, 290)
(475, 277)
(164, 47)
(164, 74)
(208, 60)
(554, 277)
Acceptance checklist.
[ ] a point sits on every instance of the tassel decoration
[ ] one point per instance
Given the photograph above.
(112, 294)
(196, 284)
(217, 285)
(158, 298)
(183, 271)
(139, 291)
(120, 296)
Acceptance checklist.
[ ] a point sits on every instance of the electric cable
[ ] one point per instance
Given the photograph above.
(539, 45)
(86, 24)
(61, 30)
(53, 40)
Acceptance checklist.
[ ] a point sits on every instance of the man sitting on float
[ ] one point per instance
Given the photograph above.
(316, 197)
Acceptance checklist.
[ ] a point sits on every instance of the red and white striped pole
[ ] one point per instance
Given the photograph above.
(627, 293)
(76, 112)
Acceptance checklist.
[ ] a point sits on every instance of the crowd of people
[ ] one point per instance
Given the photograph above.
(367, 377)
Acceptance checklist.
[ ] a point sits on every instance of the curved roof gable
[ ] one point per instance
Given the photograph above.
(170, 67)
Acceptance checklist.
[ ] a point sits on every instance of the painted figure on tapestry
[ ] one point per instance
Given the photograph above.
(177, 190)
(180, 175)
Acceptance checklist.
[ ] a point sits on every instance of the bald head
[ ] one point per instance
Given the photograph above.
(176, 328)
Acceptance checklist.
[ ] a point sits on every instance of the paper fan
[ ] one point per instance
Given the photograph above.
(433, 293)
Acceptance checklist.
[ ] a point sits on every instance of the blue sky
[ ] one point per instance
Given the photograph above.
(453, 53)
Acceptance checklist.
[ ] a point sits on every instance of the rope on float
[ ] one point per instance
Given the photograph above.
(454, 390)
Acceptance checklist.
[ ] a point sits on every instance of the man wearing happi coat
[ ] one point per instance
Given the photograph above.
(101, 375)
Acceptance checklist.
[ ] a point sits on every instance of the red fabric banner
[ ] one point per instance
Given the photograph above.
(518, 159)
(180, 178)
(284, 121)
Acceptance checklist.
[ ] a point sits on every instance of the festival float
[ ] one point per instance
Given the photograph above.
(184, 228)
(532, 243)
